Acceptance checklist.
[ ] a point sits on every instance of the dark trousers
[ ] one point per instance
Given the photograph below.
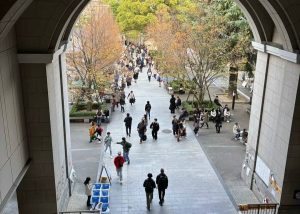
(161, 195)
(122, 108)
(175, 131)
(154, 134)
(128, 130)
(203, 125)
(88, 202)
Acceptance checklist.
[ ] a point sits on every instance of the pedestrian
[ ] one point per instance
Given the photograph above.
(205, 119)
(148, 108)
(99, 131)
(141, 128)
(213, 115)
(122, 103)
(113, 103)
(244, 136)
(178, 102)
(175, 125)
(99, 116)
(159, 80)
(162, 185)
(155, 128)
(107, 142)
(128, 123)
(88, 191)
(236, 131)
(226, 113)
(217, 102)
(126, 148)
(119, 161)
(172, 104)
(92, 131)
(149, 185)
(218, 121)
(131, 97)
(149, 73)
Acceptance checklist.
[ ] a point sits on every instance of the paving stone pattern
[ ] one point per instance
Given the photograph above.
(193, 185)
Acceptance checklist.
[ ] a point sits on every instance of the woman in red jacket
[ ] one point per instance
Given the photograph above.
(119, 161)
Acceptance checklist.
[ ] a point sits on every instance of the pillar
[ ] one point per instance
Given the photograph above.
(272, 162)
(45, 188)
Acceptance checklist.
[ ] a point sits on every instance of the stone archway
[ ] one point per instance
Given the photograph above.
(32, 40)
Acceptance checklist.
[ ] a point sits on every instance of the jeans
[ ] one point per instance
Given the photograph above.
(126, 156)
(148, 114)
(122, 108)
(108, 146)
(119, 173)
(149, 197)
(128, 130)
(154, 134)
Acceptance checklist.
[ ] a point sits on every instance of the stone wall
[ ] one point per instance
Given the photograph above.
(13, 145)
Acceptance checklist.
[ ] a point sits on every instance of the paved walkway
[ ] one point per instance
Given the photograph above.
(193, 185)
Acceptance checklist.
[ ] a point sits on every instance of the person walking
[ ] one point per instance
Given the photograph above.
(141, 128)
(178, 102)
(131, 97)
(119, 161)
(155, 128)
(172, 104)
(149, 185)
(162, 185)
(122, 103)
(175, 125)
(126, 148)
(88, 191)
(236, 131)
(149, 73)
(107, 142)
(128, 122)
(148, 108)
(205, 119)
(92, 131)
(218, 121)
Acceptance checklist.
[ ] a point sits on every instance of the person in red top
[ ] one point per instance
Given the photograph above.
(119, 161)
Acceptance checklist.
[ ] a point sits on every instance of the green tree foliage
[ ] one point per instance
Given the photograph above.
(133, 16)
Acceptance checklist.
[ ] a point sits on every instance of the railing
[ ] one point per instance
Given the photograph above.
(257, 208)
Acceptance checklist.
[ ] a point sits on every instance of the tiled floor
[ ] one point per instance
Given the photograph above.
(193, 185)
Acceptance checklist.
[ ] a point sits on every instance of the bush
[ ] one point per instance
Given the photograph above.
(83, 114)
(175, 84)
(191, 106)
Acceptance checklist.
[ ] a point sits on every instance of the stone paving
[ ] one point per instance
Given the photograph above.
(193, 184)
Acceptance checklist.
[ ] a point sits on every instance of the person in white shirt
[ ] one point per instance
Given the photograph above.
(88, 191)
(213, 114)
(236, 131)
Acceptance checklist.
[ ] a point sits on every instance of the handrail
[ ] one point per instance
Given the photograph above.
(258, 208)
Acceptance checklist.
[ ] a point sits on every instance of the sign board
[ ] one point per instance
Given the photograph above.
(263, 171)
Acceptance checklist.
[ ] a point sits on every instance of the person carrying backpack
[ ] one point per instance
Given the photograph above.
(126, 147)
(162, 185)
(149, 185)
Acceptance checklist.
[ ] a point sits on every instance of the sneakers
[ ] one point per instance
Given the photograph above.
(111, 157)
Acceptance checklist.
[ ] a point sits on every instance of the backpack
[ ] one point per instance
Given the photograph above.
(148, 184)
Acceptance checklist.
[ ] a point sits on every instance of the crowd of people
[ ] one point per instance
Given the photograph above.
(129, 67)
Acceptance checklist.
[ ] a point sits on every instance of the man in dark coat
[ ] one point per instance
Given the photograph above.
(128, 122)
(148, 108)
(162, 185)
(155, 128)
(172, 104)
(149, 185)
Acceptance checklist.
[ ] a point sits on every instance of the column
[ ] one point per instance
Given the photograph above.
(45, 187)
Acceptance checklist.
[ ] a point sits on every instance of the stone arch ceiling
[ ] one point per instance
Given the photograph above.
(45, 23)
(42, 25)
(286, 16)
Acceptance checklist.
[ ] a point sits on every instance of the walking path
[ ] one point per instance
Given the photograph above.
(193, 185)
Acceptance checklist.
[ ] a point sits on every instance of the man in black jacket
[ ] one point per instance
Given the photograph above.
(155, 127)
(162, 185)
(148, 108)
(149, 185)
(128, 122)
